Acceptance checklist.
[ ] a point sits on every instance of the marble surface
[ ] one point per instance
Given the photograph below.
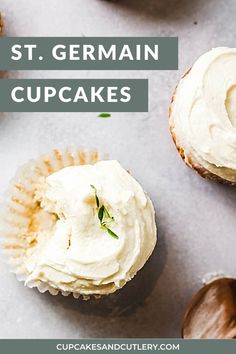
(196, 219)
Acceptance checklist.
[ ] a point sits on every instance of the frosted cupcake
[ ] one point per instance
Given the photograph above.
(77, 225)
(203, 115)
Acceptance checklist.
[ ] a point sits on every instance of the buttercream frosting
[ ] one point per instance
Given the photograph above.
(75, 254)
(203, 113)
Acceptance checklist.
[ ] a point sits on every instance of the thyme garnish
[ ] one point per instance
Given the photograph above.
(104, 216)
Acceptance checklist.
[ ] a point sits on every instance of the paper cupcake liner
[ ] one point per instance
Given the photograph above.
(19, 206)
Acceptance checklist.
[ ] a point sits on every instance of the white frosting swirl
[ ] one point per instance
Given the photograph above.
(203, 114)
(77, 254)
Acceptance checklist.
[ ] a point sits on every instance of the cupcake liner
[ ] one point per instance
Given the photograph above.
(18, 223)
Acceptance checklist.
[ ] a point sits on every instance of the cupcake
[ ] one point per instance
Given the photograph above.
(74, 224)
(203, 116)
(211, 313)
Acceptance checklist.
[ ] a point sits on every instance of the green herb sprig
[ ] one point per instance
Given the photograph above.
(103, 215)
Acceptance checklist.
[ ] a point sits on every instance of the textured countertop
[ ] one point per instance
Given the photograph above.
(196, 219)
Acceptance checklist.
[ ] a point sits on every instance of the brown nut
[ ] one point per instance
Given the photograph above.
(211, 313)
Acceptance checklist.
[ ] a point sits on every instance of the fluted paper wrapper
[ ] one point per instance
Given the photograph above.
(19, 205)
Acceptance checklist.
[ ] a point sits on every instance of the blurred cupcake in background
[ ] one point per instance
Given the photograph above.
(211, 313)
(73, 223)
(203, 116)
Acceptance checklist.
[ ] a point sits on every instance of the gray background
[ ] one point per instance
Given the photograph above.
(196, 219)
